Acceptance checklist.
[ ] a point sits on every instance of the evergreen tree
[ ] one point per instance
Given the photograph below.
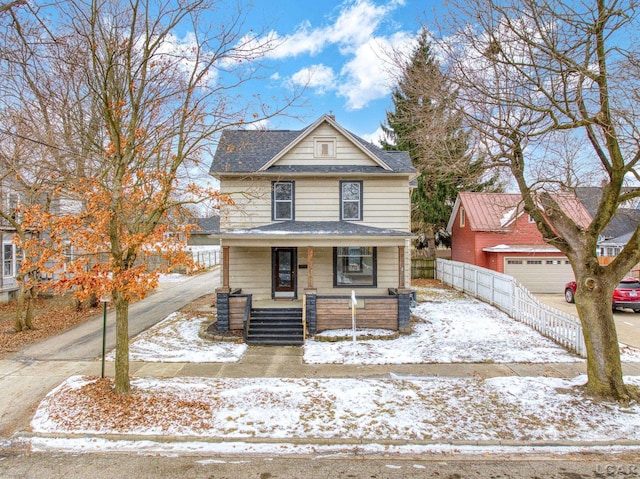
(425, 123)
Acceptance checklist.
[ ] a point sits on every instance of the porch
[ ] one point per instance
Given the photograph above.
(314, 268)
(291, 322)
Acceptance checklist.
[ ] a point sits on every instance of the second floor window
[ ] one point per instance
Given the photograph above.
(351, 200)
(282, 200)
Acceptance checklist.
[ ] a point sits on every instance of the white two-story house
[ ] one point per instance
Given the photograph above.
(318, 215)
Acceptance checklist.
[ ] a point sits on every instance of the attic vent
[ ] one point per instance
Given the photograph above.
(325, 148)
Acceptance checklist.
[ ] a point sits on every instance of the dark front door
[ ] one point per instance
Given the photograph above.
(284, 272)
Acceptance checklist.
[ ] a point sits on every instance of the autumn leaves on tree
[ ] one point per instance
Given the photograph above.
(147, 87)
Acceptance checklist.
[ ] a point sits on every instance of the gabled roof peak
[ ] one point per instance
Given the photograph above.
(255, 151)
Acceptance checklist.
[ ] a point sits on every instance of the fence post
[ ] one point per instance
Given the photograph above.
(515, 300)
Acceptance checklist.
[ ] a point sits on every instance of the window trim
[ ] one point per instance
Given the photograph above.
(374, 255)
(274, 201)
(463, 217)
(360, 200)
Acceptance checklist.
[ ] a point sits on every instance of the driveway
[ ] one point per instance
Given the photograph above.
(84, 342)
(627, 322)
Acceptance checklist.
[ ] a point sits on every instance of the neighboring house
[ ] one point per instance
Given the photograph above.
(492, 230)
(203, 235)
(204, 241)
(619, 230)
(8, 286)
(318, 213)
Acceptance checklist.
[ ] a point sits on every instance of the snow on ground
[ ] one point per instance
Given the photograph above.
(454, 330)
(173, 278)
(407, 411)
(395, 414)
(177, 339)
(449, 327)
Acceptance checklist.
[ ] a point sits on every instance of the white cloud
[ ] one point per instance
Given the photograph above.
(355, 24)
(182, 55)
(318, 77)
(364, 74)
(374, 137)
(368, 76)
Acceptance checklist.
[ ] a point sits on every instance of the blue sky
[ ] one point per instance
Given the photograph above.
(337, 47)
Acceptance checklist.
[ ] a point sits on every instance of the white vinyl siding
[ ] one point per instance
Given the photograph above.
(346, 153)
(250, 269)
(252, 203)
(385, 202)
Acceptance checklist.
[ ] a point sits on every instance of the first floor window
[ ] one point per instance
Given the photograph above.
(8, 259)
(355, 266)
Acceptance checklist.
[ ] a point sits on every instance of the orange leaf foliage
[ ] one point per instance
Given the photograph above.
(114, 238)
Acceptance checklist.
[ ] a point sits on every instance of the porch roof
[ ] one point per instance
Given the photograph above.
(317, 230)
(521, 248)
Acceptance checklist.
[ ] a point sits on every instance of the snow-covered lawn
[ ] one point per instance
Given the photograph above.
(177, 339)
(449, 327)
(394, 414)
(403, 412)
(458, 329)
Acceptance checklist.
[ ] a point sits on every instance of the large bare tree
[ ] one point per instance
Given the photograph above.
(164, 77)
(49, 126)
(535, 76)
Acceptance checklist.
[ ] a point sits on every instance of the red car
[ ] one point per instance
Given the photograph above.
(626, 295)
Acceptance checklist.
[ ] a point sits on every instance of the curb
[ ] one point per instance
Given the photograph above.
(321, 441)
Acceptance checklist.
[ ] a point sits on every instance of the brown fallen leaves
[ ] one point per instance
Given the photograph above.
(53, 315)
(104, 410)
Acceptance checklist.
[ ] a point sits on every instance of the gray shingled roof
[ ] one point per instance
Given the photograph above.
(208, 226)
(320, 228)
(625, 220)
(246, 151)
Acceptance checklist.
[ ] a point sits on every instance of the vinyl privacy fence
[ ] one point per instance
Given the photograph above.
(511, 297)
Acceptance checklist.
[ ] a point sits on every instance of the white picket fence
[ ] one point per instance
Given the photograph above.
(505, 293)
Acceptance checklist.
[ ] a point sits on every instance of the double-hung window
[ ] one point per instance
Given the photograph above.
(8, 256)
(282, 199)
(355, 266)
(351, 200)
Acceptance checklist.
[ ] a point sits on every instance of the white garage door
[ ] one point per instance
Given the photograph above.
(540, 275)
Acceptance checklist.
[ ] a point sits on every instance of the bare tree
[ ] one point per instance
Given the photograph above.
(48, 127)
(533, 76)
(153, 83)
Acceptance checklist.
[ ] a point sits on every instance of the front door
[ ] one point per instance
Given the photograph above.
(284, 272)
